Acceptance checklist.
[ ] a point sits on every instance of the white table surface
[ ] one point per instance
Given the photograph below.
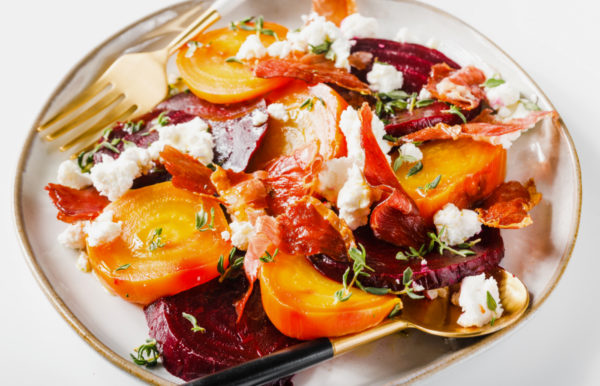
(557, 43)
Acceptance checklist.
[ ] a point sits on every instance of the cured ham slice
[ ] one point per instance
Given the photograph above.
(76, 205)
(313, 69)
(483, 128)
(459, 87)
(509, 205)
(188, 173)
(241, 192)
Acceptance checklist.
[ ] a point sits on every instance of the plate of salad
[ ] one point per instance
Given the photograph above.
(315, 166)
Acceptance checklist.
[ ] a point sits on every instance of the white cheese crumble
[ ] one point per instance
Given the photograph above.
(409, 150)
(332, 177)
(354, 199)
(502, 95)
(83, 262)
(190, 137)
(113, 177)
(432, 43)
(225, 235)
(251, 48)
(350, 126)
(384, 78)
(358, 26)
(102, 230)
(473, 300)
(241, 232)
(278, 111)
(378, 128)
(424, 94)
(258, 117)
(73, 236)
(458, 225)
(69, 174)
(279, 49)
(402, 35)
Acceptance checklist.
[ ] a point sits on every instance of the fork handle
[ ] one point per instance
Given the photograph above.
(208, 18)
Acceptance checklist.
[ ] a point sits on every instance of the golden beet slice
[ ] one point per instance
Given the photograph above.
(141, 265)
(469, 171)
(300, 301)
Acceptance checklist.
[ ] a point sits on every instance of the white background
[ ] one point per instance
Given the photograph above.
(556, 42)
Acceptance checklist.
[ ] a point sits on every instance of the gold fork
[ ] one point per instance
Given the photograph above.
(133, 84)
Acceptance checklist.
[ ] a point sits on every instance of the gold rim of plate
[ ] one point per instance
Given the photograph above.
(148, 376)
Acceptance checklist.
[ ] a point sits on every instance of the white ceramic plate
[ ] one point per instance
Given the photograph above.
(537, 254)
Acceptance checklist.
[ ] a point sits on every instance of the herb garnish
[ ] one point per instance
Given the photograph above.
(202, 220)
(233, 59)
(424, 102)
(412, 253)
(192, 45)
(395, 311)
(388, 102)
(493, 82)
(163, 119)
(456, 111)
(308, 104)
(529, 105)
(404, 158)
(258, 26)
(358, 256)
(443, 246)
(322, 48)
(415, 169)
(192, 319)
(491, 304)
(123, 267)
(430, 185)
(133, 127)
(268, 258)
(407, 281)
(147, 354)
(391, 138)
(233, 264)
(155, 239)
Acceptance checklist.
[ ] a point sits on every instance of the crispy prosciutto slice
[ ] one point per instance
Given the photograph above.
(440, 270)
(484, 127)
(397, 219)
(334, 10)
(509, 205)
(312, 69)
(242, 193)
(76, 205)
(188, 173)
(308, 227)
(459, 87)
(291, 177)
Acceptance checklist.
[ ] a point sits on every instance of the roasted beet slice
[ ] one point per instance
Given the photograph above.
(408, 122)
(440, 270)
(188, 354)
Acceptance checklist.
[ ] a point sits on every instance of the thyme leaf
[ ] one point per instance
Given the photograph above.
(155, 239)
(192, 319)
(147, 354)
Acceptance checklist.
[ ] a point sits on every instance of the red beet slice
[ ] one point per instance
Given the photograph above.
(440, 270)
(408, 122)
(187, 354)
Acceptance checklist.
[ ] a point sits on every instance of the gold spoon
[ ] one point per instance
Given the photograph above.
(436, 317)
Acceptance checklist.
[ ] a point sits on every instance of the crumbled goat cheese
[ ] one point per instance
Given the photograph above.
(454, 91)
(69, 174)
(279, 49)
(385, 78)
(378, 128)
(459, 225)
(278, 111)
(350, 126)
(251, 48)
(354, 199)
(473, 300)
(225, 235)
(433, 43)
(424, 94)
(241, 232)
(410, 150)
(190, 137)
(73, 236)
(258, 117)
(417, 287)
(402, 35)
(358, 26)
(102, 230)
(332, 177)
(438, 292)
(83, 262)
(502, 95)
(113, 177)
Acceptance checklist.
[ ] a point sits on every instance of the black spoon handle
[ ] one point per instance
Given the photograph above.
(271, 367)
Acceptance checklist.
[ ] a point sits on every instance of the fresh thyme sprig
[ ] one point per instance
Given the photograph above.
(163, 119)
(233, 59)
(268, 258)
(493, 82)
(412, 253)
(192, 319)
(415, 169)
(491, 305)
(155, 239)
(147, 354)
(234, 264)
(456, 111)
(258, 24)
(443, 246)
(358, 256)
(430, 185)
(202, 220)
(402, 159)
(308, 104)
(192, 45)
(123, 267)
(407, 281)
